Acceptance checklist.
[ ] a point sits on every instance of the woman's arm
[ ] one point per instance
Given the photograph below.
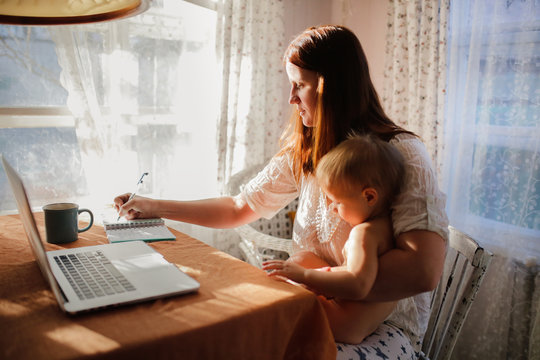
(416, 263)
(413, 267)
(221, 212)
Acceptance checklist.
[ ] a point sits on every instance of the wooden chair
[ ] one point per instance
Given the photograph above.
(264, 239)
(465, 266)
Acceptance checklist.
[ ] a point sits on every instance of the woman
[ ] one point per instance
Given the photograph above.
(333, 96)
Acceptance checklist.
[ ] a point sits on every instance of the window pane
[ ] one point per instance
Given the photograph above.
(509, 91)
(493, 123)
(501, 186)
(29, 70)
(47, 159)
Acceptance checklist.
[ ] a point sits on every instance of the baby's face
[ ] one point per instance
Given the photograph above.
(353, 208)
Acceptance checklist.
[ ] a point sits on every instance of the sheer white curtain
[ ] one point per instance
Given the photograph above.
(492, 167)
(493, 130)
(80, 52)
(144, 93)
(415, 69)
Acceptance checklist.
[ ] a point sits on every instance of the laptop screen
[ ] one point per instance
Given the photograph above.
(29, 224)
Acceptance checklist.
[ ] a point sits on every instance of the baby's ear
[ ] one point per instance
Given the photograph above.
(371, 195)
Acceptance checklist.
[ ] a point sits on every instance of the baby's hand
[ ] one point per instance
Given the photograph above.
(286, 269)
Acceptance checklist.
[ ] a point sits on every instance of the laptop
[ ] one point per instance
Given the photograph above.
(95, 277)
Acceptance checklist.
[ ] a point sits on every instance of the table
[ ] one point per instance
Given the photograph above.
(238, 313)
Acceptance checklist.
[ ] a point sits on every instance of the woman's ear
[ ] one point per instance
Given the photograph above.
(371, 195)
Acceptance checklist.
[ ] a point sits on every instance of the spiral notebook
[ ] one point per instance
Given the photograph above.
(140, 229)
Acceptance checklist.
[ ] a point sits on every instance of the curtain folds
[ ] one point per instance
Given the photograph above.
(250, 45)
(415, 69)
(143, 92)
(492, 167)
(78, 54)
(250, 40)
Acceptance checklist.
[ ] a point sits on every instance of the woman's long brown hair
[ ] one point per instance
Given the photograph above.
(346, 98)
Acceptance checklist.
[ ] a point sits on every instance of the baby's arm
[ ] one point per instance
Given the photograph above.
(361, 271)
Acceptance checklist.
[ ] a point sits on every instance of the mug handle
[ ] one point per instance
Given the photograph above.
(91, 219)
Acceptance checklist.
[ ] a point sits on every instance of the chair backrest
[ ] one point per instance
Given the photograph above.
(465, 265)
(264, 238)
(280, 225)
(242, 177)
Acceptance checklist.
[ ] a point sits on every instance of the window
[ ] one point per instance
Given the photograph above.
(493, 123)
(34, 116)
(84, 110)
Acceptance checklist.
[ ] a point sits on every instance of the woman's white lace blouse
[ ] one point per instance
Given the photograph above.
(420, 206)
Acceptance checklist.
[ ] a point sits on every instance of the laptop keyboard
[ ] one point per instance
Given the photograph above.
(92, 275)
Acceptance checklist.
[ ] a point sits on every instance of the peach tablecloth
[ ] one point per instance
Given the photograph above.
(238, 313)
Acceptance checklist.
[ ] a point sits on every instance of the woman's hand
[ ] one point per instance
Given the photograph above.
(138, 207)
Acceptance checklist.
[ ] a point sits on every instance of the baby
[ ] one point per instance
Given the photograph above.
(360, 177)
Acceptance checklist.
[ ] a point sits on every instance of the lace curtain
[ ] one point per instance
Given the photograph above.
(464, 75)
(492, 167)
(78, 54)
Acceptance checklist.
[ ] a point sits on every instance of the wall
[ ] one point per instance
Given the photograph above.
(299, 15)
(366, 18)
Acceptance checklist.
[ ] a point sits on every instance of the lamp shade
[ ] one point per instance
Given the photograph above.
(65, 12)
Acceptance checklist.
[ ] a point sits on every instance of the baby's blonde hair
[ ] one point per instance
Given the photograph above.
(363, 161)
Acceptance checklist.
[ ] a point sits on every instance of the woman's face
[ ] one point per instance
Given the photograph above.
(303, 92)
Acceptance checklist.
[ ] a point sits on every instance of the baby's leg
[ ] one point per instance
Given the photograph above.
(352, 321)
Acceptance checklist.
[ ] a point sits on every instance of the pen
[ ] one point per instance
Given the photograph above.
(136, 190)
